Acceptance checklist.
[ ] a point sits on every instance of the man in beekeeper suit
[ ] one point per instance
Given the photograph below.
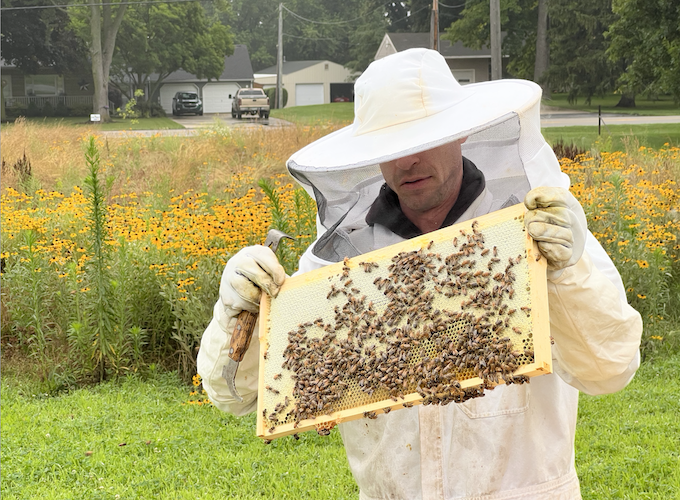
(424, 153)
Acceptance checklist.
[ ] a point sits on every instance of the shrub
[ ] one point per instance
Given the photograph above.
(16, 111)
(80, 110)
(271, 93)
(33, 110)
(148, 109)
(48, 109)
(61, 109)
(570, 151)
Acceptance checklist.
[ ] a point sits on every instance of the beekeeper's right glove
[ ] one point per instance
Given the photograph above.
(246, 274)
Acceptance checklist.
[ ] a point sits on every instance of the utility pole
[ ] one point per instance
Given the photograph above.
(495, 18)
(434, 26)
(279, 61)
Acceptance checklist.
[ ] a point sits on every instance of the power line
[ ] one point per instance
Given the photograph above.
(141, 2)
(322, 22)
(452, 6)
(307, 38)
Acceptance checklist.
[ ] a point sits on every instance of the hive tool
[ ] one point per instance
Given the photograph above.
(245, 323)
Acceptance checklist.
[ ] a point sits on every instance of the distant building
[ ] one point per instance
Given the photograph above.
(216, 94)
(467, 65)
(311, 82)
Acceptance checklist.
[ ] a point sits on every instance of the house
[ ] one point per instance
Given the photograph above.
(76, 91)
(216, 95)
(73, 91)
(467, 65)
(310, 82)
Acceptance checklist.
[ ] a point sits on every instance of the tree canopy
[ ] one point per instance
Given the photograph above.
(518, 25)
(646, 36)
(165, 37)
(36, 38)
(579, 62)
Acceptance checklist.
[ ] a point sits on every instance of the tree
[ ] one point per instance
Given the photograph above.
(255, 24)
(518, 24)
(646, 37)
(579, 63)
(40, 38)
(542, 62)
(365, 39)
(97, 23)
(163, 38)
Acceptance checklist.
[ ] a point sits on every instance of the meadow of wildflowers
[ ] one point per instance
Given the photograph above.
(632, 204)
(177, 208)
(164, 248)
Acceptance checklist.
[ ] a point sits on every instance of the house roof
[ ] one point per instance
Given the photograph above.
(236, 67)
(290, 67)
(403, 41)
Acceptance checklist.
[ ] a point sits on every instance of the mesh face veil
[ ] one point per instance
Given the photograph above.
(427, 108)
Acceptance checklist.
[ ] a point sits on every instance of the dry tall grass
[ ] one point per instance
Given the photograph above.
(205, 162)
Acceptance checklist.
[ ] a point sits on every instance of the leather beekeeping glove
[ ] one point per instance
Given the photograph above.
(556, 221)
(246, 274)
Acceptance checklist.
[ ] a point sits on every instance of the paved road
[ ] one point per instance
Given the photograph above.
(550, 117)
(553, 117)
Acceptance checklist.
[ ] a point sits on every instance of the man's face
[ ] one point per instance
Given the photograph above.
(427, 180)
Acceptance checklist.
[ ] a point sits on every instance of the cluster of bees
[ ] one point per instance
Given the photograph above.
(402, 344)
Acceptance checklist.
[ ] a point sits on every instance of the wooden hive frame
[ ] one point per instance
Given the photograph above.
(508, 304)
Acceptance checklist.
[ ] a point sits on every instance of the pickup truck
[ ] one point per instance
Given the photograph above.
(250, 102)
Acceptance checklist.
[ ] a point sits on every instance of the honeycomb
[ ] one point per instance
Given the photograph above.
(437, 319)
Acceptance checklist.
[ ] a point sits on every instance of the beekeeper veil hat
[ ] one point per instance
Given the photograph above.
(410, 102)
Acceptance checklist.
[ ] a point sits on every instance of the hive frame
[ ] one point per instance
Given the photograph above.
(539, 319)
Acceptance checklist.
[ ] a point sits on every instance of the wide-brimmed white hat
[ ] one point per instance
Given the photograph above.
(410, 102)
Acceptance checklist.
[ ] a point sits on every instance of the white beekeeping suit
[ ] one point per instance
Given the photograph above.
(518, 440)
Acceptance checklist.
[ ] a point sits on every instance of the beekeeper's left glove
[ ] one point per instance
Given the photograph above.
(556, 221)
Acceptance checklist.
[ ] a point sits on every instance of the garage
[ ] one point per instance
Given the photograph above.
(308, 93)
(217, 97)
(464, 76)
(169, 90)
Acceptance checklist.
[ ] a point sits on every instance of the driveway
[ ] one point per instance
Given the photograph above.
(208, 120)
(194, 124)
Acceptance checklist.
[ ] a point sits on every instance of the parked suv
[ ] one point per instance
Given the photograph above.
(186, 102)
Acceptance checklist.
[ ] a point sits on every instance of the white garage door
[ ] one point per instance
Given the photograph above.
(217, 97)
(308, 93)
(169, 90)
(464, 76)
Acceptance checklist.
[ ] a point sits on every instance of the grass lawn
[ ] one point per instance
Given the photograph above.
(117, 124)
(616, 137)
(664, 105)
(340, 113)
(139, 440)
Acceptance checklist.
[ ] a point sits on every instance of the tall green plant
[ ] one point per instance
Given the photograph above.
(99, 325)
(300, 224)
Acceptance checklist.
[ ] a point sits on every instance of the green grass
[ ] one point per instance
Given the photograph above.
(337, 113)
(662, 106)
(616, 137)
(117, 124)
(147, 444)
(628, 444)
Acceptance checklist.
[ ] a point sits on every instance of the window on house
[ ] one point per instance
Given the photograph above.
(44, 85)
(325, 66)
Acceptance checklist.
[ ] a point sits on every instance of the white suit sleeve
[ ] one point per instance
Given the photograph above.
(214, 354)
(596, 332)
